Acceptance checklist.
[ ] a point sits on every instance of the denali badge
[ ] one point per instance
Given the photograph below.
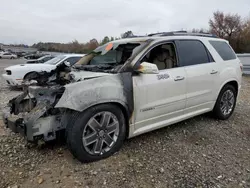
(162, 76)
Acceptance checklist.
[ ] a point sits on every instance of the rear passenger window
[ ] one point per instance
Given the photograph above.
(192, 52)
(224, 50)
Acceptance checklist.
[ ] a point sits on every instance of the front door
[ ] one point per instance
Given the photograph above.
(159, 98)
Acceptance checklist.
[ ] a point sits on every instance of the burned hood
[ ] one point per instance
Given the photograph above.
(116, 88)
(83, 75)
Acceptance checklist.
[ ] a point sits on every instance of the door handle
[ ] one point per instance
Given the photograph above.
(214, 72)
(179, 78)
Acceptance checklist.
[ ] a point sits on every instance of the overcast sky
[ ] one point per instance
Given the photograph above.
(31, 21)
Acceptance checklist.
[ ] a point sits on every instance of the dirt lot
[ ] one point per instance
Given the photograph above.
(200, 152)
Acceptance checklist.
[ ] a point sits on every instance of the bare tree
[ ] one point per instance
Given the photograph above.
(199, 30)
(92, 44)
(127, 34)
(245, 36)
(226, 26)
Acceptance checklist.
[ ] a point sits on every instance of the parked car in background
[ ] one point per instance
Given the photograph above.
(7, 55)
(245, 60)
(34, 56)
(20, 54)
(14, 75)
(42, 59)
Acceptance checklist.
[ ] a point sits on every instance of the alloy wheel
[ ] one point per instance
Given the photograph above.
(227, 102)
(101, 133)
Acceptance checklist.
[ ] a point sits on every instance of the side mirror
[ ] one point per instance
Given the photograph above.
(67, 63)
(148, 68)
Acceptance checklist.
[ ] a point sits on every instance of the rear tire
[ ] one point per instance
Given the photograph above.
(89, 141)
(226, 102)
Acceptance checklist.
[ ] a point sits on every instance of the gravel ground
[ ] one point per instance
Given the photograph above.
(200, 152)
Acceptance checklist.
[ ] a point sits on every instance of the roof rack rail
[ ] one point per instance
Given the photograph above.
(134, 36)
(183, 33)
(170, 33)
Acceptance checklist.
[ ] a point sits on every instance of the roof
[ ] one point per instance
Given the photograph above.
(169, 36)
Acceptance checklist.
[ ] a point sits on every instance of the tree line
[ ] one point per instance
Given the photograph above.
(231, 27)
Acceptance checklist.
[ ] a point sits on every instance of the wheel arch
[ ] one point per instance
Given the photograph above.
(32, 72)
(119, 104)
(235, 84)
(216, 109)
(232, 82)
(125, 112)
(29, 73)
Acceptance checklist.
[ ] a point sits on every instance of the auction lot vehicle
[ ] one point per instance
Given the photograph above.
(7, 55)
(34, 56)
(126, 88)
(42, 59)
(16, 74)
(245, 60)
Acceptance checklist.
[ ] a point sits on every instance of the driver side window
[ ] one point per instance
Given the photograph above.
(163, 56)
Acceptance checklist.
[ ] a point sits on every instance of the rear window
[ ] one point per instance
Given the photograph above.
(224, 50)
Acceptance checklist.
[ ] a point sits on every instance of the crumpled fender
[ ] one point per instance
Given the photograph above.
(111, 88)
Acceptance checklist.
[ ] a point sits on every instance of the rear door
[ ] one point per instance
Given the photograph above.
(202, 73)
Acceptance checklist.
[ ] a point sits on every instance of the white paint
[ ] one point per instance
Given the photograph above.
(166, 101)
(166, 96)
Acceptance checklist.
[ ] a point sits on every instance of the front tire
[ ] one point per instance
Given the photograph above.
(96, 133)
(225, 103)
(31, 75)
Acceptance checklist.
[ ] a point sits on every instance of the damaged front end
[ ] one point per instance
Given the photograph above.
(102, 76)
(32, 113)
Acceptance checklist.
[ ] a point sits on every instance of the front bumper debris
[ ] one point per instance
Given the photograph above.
(15, 125)
(35, 118)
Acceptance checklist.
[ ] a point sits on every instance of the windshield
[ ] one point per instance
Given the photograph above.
(113, 53)
(55, 60)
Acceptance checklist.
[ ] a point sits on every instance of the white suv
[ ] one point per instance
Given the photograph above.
(129, 87)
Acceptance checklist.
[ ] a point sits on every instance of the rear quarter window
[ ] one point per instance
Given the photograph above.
(224, 50)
